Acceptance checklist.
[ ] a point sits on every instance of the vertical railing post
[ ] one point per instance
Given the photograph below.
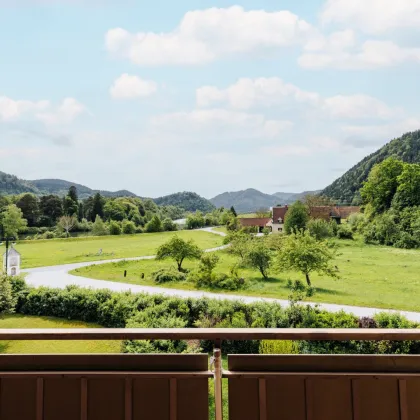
(218, 402)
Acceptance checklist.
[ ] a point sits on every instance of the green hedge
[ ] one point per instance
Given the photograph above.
(118, 310)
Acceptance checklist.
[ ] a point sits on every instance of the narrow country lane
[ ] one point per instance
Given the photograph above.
(59, 277)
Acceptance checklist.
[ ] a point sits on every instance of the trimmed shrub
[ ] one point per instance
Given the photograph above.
(167, 275)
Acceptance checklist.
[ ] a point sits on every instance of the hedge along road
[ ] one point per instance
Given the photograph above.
(59, 277)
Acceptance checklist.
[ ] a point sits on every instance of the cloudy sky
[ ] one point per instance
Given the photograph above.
(200, 95)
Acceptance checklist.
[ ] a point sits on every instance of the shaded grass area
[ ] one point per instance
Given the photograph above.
(66, 251)
(62, 346)
(373, 276)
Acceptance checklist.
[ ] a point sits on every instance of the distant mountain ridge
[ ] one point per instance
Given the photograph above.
(346, 188)
(61, 187)
(250, 200)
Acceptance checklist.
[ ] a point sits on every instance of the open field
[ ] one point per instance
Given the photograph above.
(23, 321)
(66, 251)
(373, 276)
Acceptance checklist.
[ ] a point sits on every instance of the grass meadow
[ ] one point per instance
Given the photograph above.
(373, 276)
(40, 253)
(48, 347)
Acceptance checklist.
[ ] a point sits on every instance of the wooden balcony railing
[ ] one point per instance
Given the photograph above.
(175, 386)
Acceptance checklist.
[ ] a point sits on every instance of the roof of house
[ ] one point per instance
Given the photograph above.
(255, 221)
(279, 212)
(12, 252)
(346, 211)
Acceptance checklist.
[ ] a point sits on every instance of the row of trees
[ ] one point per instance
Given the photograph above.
(52, 215)
(391, 203)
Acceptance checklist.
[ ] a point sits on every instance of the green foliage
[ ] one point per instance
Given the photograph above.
(346, 188)
(296, 217)
(189, 201)
(408, 191)
(7, 299)
(51, 209)
(98, 203)
(155, 225)
(114, 210)
(179, 250)
(168, 275)
(114, 228)
(302, 252)
(168, 225)
(259, 256)
(29, 204)
(278, 347)
(12, 221)
(381, 185)
(344, 232)
(195, 220)
(320, 229)
(128, 227)
(99, 227)
(239, 244)
(66, 224)
(119, 310)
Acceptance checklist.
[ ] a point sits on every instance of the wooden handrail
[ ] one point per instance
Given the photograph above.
(324, 334)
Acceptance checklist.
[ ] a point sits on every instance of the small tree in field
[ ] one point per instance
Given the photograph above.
(67, 223)
(12, 221)
(258, 256)
(296, 217)
(302, 252)
(178, 250)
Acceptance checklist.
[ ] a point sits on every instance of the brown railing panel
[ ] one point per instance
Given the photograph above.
(18, 399)
(193, 400)
(286, 396)
(116, 387)
(331, 388)
(151, 399)
(62, 399)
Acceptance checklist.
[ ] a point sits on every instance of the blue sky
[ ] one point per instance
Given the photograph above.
(158, 97)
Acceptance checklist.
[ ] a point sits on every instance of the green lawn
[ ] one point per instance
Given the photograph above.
(65, 251)
(62, 346)
(373, 276)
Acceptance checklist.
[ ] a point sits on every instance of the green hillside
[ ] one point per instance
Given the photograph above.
(189, 201)
(346, 188)
(10, 184)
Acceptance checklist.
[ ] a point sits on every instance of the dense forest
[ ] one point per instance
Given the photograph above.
(346, 189)
(189, 201)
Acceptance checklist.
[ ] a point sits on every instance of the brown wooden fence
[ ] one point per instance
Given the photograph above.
(175, 387)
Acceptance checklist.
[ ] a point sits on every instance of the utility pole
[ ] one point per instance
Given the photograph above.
(6, 239)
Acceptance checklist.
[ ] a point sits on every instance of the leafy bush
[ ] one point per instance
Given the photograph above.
(114, 228)
(7, 299)
(167, 275)
(118, 310)
(168, 225)
(48, 235)
(344, 232)
(320, 229)
(128, 227)
(278, 347)
(155, 225)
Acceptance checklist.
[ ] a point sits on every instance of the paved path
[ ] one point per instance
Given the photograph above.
(59, 277)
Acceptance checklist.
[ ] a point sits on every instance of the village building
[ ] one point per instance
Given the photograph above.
(11, 261)
(275, 223)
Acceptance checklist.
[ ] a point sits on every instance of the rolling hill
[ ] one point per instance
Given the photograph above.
(189, 201)
(10, 184)
(61, 187)
(251, 199)
(346, 188)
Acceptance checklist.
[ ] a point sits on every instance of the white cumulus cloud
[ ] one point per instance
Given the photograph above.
(263, 92)
(220, 124)
(205, 35)
(65, 113)
(128, 86)
(373, 16)
(11, 109)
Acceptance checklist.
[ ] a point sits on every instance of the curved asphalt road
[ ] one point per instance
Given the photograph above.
(59, 277)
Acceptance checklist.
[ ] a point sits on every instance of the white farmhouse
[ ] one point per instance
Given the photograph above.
(13, 262)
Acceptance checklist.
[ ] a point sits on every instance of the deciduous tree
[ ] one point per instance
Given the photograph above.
(12, 221)
(67, 223)
(302, 252)
(179, 250)
(296, 217)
